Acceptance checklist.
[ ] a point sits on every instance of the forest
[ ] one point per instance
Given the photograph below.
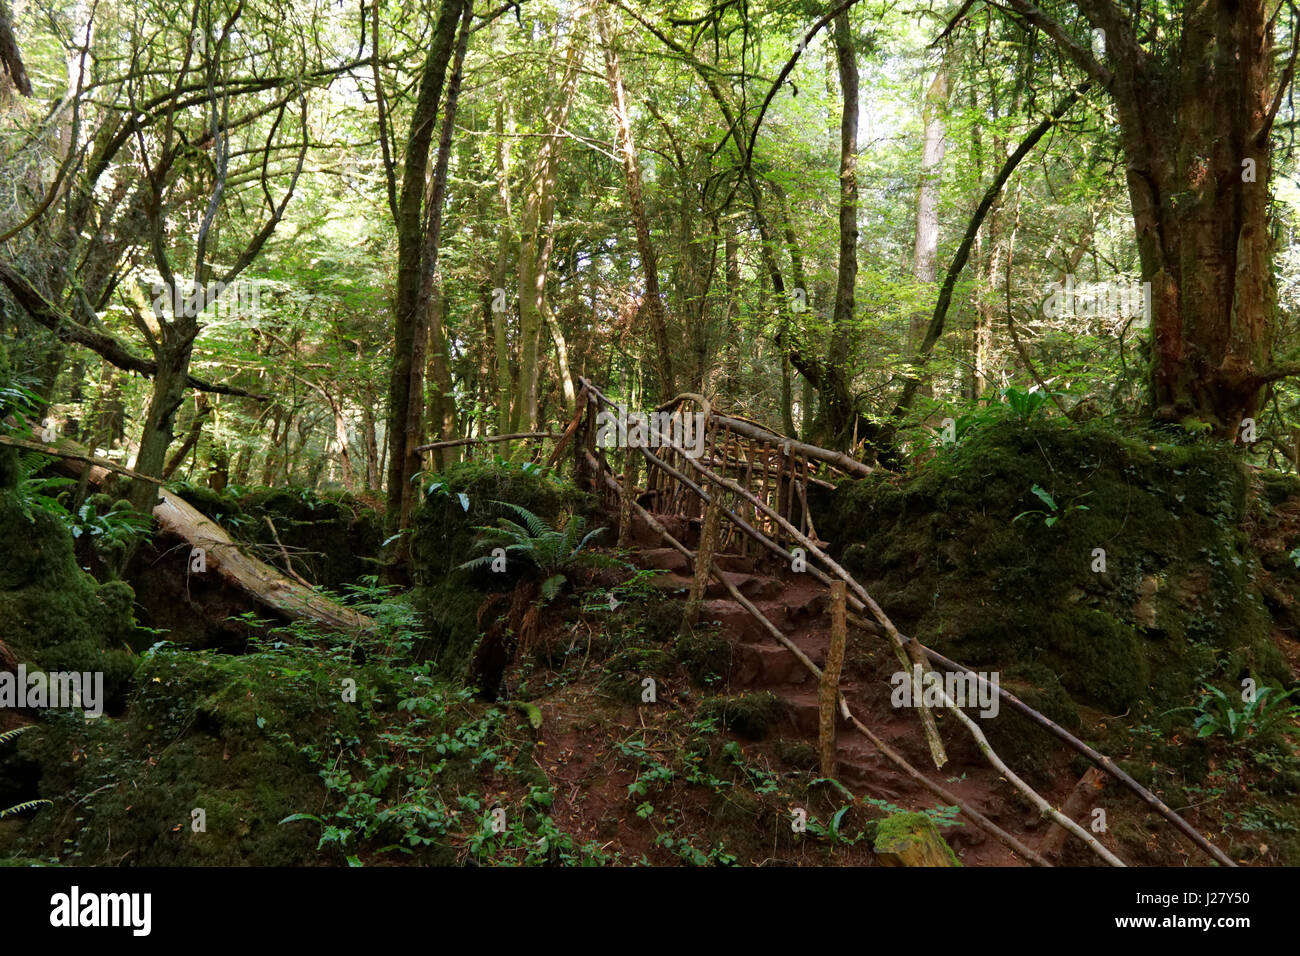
(713, 433)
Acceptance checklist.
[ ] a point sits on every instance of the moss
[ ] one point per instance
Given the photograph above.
(1028, 747)
(442, 538)
(238, 737)
(898, 831)
(624, 672)
(704, 654)
(53, 615)
(957, 556)
(798, 754)
(750, 715)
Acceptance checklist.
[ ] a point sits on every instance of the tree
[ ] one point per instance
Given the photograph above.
(415, 224)
(1194, 93)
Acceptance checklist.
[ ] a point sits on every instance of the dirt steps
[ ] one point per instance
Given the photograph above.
(798, 607)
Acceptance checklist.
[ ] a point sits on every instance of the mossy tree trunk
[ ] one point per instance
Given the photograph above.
(1195, 119)
(410, 315)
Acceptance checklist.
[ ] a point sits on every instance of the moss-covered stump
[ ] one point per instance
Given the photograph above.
(1125, 581)
(462, 498)
(238, 738)
(53, 615)
(912, 839)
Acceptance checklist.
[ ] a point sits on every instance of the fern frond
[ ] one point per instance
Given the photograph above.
(551, 586)
(24, 807)
(536, 525)
(12, 735)
(591, 534)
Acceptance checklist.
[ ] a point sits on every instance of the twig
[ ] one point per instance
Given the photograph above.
(288, 565)
(487, 439)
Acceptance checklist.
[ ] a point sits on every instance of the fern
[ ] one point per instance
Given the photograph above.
(553, 553)
(24, 807)
(7, 737)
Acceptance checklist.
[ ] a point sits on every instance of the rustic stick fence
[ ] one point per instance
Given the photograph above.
(760, 481)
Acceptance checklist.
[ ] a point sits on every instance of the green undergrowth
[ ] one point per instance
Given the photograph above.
(713, 801)
(453, 504)
(335, 751)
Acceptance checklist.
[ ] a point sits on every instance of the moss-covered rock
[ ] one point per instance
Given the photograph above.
(239, 738)
(462, 498)
(1133, 584)
(53, 615)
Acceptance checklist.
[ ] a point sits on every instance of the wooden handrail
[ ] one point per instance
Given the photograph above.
(862, 601)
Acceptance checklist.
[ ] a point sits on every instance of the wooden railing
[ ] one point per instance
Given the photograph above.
(759, 482)
(775, 470)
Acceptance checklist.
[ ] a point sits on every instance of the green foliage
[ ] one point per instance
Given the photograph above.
(1266, 710)
(831, 832)
(1055, 514)
(553, 553)
(1024, 404)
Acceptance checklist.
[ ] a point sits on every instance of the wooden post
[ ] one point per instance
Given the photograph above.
(703, 560)
(631, 458)
(829, 693)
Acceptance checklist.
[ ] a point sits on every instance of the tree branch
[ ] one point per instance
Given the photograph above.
(109, 348)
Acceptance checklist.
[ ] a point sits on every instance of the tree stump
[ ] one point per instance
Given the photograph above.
(912, 839)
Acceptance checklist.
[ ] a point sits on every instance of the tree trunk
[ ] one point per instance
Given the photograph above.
(652, 304)
(837, 401)
(926, 248)
(535, 240)
(441, 399)
(1195, 119)
(498, 304)
(410, 330)
(168, 393)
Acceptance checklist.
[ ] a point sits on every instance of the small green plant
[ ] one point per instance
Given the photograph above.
(1056, 513)
(440, 488)
(1215, 713)
(1024, 404)
(555, 553)
(831, 831)
(119, 526)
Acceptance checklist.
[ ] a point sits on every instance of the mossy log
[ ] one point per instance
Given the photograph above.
(222, 556)
(912, 839)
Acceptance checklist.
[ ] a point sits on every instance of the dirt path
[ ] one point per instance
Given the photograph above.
(797, 605)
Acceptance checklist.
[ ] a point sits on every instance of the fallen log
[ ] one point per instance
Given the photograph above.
(222, 556)
(1076, 805)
